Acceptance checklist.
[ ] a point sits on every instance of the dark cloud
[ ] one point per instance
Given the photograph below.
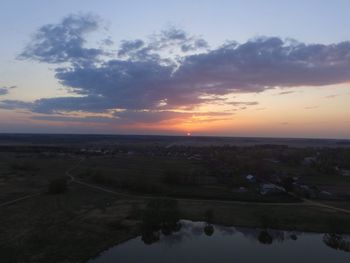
(88, 119)
(130, 47)
(6, 90)
(16, 104)
(3, 91)
(172, 69)
(175, 37)
(107, 42)
(168, 42)
(120, 84)
(63, 42)
(265, 63)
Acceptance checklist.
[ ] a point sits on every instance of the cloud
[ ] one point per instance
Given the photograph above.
(311, 107)
(240, 103)
(332, 96)
(16, 104)
(3, 91)
(87, 119)
(63, 42)
(140, 117)
(169, 42)
(286, 92)
(150, 78)
(130, 46)
(6, 90)
(178, 37)
(265, 63)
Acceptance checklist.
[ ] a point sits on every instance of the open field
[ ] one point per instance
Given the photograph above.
(109, 187)
(196, 141)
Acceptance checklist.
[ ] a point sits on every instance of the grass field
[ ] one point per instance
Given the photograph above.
(78, 224)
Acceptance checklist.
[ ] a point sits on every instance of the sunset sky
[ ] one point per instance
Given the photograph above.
(269, 68)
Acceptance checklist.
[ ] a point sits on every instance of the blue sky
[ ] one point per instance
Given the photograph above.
(310, 22)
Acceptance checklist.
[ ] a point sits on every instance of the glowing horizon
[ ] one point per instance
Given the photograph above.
(73, 71)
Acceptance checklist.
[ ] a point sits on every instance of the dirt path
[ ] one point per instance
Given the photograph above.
(19, 199)
(37, 194)
(313, 203)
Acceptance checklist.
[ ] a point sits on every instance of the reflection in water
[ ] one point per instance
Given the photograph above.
(149, 237)
(337, 241)
(264, 237)
(188, 241)
(160, 217)
(209, 230)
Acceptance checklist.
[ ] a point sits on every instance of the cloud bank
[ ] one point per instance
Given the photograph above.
(150, 79)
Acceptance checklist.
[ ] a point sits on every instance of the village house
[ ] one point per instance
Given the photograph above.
(267, 188)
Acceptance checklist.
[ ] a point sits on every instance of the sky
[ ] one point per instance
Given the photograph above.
(272, 68)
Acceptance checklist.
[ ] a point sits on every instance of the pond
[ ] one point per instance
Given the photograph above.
(201, 242)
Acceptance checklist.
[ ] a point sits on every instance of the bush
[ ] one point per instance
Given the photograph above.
(58, 186)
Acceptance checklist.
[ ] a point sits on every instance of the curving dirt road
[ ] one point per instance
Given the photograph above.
(19, 199)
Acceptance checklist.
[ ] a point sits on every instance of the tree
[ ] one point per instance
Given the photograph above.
(160, 214)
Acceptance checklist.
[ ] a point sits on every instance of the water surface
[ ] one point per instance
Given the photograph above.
(199, 242)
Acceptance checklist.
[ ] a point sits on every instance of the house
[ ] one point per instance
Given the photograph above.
(250, 178)
(345, 172)
(296, 178)
(241, 189)
(324, 195)
(266, 189)
(309, 160)
(271, 160)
